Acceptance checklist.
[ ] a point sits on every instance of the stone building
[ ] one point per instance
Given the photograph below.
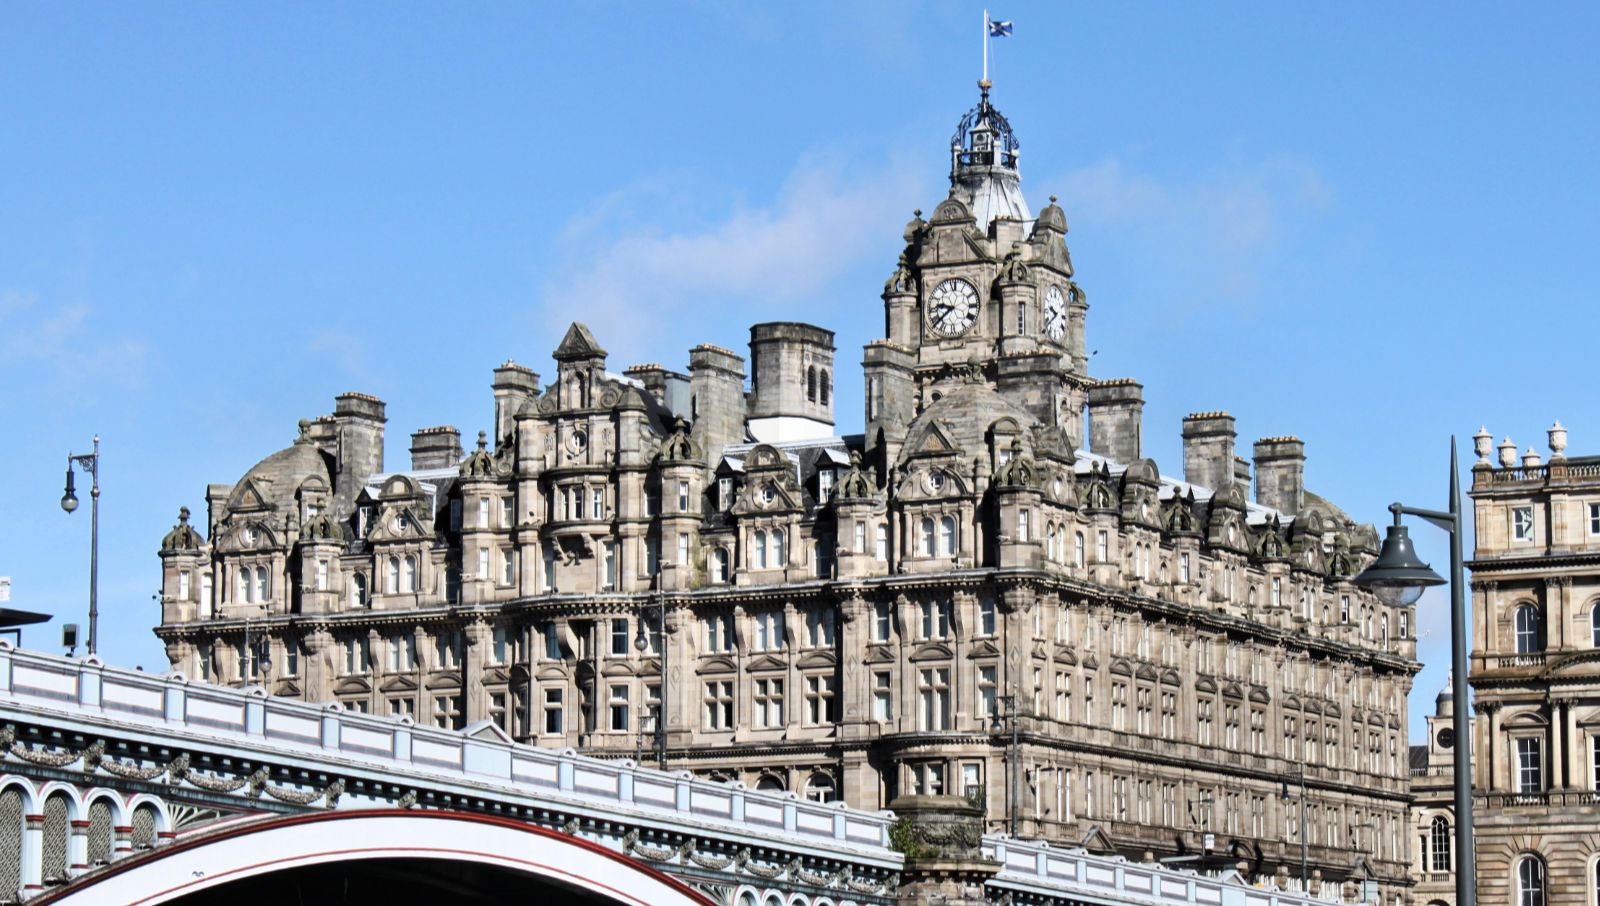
(860, 615)
(1433, 809)
(1536, 674)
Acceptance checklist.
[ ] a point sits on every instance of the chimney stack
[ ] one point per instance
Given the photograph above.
(436, 448)
(1281, 473)
(1116, 413)
(1208, 449)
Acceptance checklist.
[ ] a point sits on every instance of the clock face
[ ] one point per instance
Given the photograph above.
(1055, 313)
(952, 308)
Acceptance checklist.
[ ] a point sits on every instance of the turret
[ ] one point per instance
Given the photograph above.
(791, 394)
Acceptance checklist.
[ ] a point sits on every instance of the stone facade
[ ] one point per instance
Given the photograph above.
(1535, 672)
(1433, 812)
(863, 615)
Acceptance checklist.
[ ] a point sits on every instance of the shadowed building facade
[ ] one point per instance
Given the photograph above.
(857, 615)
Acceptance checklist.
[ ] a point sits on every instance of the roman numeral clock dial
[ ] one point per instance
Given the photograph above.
(952, 308)
(1055, 313)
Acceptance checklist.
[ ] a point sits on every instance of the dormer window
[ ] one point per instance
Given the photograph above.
(725, 493)
(768, 494)
(936, 481)
(825, 485)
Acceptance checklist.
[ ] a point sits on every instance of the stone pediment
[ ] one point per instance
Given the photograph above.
(398, 487)
(1119, 667)
(1205, 684)
(765, 662)
(1290, 701)
(617, 668)
(1041, 651)
(1171, 678)
(1261, 697)
(287, 688)
(252, 497)
(935, 441)
(486, 730)
(352, 685)
(1090, 662)
(983, 648)
(447, 680)
(1065, 655)
(552, 675)
(1312, 706)
(1097, 841)
(712, 665)
(398, 523)
(1145, 672)
(578, 343)
(1232, 690)
(879, 654)
(401, 683)
(248, 535)
(817, 659)
(932, 651)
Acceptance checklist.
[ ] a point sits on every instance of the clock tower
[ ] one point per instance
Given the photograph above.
(984, 288)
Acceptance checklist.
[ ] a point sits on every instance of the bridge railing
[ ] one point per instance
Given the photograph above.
(173, 704)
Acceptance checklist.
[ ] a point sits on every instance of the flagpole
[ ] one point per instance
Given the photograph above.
(986, 45)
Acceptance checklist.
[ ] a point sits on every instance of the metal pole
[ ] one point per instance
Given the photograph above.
(94, 550)
(1305, 875)
(1016, 767)
(1466, 870)
(661, 706)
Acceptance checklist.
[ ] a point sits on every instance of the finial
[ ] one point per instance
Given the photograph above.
(483, 440)
(984, 85)
(1052, 199)
(917, 212)
(183, 515)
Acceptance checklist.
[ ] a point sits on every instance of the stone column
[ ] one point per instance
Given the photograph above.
(476, 638)
(78, 848)
(941, 839)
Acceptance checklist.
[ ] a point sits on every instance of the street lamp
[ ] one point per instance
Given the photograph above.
(1009, 702)
(1398, 577)
(90, 463)
(1300, 773)
(642, 643)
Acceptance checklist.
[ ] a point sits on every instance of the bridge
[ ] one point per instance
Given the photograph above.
(119, 786)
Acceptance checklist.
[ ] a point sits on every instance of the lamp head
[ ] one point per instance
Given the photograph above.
(640, 642)
(1398, 576)
(69, 500)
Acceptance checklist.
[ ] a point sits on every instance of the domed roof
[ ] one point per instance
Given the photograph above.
(984, 137)
(279, 476)
(1052, 217)
(183, 536)
(983, 166)
(964, 412)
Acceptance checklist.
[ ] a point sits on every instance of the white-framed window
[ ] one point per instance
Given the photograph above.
(1530, 881)
(719, 632)
(935, 619)
(183, 583)
(719, 705)
(1594, 624)
(447, 649)
(1522, 523)
(769, 630)
(501, 645)
(824, 485)
(508, 510)
(881, 621)
(508, 566)
(483, 563)
(819, 627)
(683, 497)
(768, 702)
(988, 703)
(1530, 764)
(1102, 546)
(933, 692)
(617, 708)
(1439, 844)
(860, 538)
(986, 615)
(819, 699)
(402, 656)
(483, 512)
(882, 696)
(1023, 525)
(947, 535)
(619, 637)
(683, 548)
(554, 711)
(1079, 550)
(881, 542)
(719, 565)
(1529, 635)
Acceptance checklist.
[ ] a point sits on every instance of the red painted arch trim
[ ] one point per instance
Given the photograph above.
(131, 862)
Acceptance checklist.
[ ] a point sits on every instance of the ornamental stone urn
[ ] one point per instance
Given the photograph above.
(942, 840)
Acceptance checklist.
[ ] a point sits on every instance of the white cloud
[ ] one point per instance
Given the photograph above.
(61, 337)
(1216, 234)
(639, 270)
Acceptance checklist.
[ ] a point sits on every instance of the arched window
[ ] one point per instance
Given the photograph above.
(1383, 628)
(392, 584)
(719, 560)
(811, 384)
(947, 535)
(925, 538)
(761, 549)
(769, 784)
(819, 788)
(822, 390)
(243, 591)
(1594, 624)
(1530, 881)
(408, 573)
(263, 584)
(780, 556)
(1078, 550)
(358, 590)
(1439, 844)
(1529, 639)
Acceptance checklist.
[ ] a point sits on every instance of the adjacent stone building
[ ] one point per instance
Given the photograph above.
(859, 615)
(1433, 808)
(1536, 674)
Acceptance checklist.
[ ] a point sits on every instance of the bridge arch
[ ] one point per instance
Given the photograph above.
(462, 857)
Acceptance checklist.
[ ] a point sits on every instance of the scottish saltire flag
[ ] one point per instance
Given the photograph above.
(1000, 29)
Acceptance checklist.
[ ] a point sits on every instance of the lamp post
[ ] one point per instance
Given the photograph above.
(642, 643)
(90, 463)
(1305, 875)
(1398, 577)
(1009, 702)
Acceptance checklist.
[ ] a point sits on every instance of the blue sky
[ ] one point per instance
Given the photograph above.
(1370, 225)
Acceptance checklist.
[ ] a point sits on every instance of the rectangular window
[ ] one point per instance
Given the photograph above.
(860, 538)
(719, 705)
(883, 700)
(1119, 706)
(933, 691)
(483, 563)
(683, 496)
(652, 501)
(769, 630)
(508, 509)
(719, 633)
(881, 550)
(552, 642)
(401, 659)
(617, 707)
(447, 712)
(1522, 523)
(1530, 765)
(769, 703)
(880, 621)
(987, 686)
(935, 619)
(1594, 760)
(1102, 547)
(986, 615)
(554, 711)
(724, 493)
(483, 512)
(1594, 518)
(683, 549)
(1183, 568)
(608, 551)
(819, 627)
(447, 649)
(291, 658)
(619, 637)
(1022, 525)
(508, 567)
(455, 516)
(548, 580)
(597, 502)
(652, 708)
(824, 485)
(500, 645)
(819, 700)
